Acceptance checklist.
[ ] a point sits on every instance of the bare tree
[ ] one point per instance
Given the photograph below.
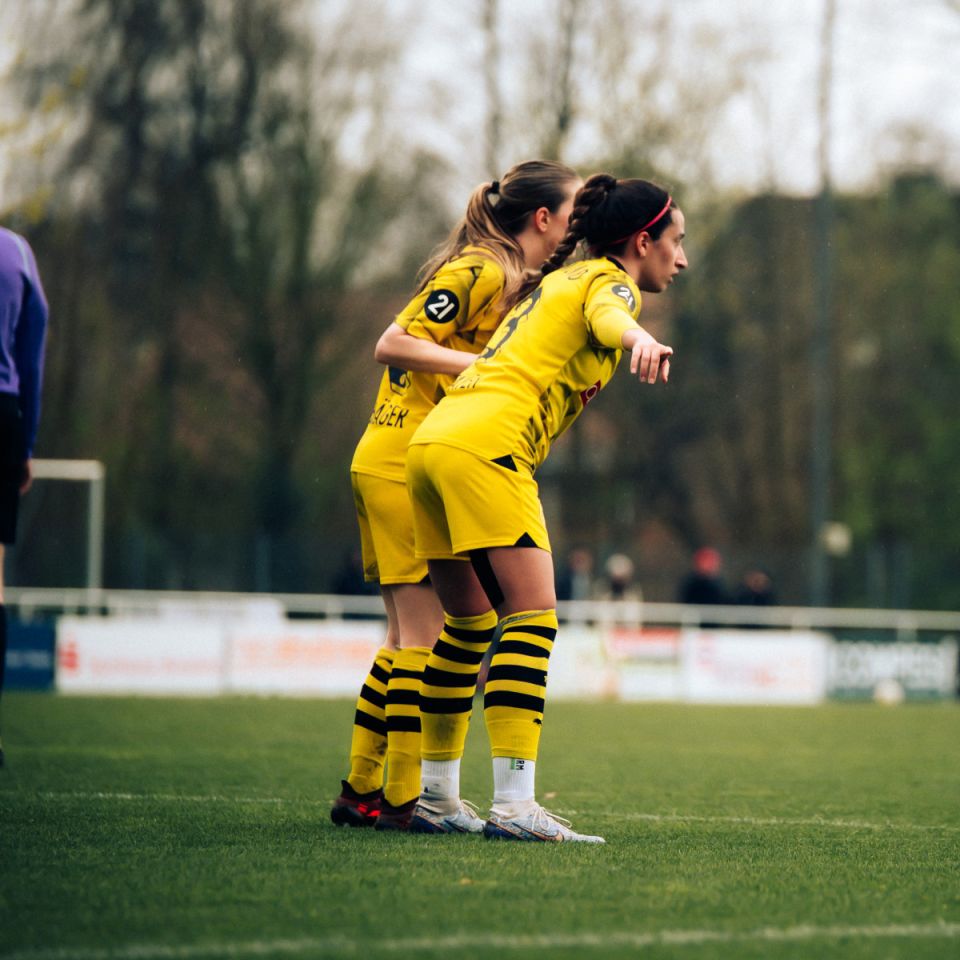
(491, 84)
(229, 178)
(554, 61)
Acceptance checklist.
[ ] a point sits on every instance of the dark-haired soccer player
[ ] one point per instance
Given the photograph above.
(470, 468)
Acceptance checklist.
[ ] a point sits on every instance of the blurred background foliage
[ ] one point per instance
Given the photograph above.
(228, 208)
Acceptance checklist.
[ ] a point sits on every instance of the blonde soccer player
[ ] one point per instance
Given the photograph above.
(470, 468)
(509, 229)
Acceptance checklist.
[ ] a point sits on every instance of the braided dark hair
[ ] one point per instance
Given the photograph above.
(607, 212)
(592, 194)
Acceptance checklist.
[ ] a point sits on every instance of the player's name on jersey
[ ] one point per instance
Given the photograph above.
(389, 414)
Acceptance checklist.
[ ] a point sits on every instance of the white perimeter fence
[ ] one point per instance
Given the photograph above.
(112, 641)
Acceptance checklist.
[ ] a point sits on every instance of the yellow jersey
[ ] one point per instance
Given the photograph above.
(458, 308)
(553, 353)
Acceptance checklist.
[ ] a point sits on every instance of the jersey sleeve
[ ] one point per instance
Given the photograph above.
(443, 307)
(28, 351)
(484, 295)
(611, 308)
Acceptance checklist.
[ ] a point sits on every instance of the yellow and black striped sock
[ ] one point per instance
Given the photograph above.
(403, 726)
(449, 683)
(368, 746)
(517, 683)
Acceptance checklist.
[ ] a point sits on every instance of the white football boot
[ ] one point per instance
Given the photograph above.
(534, 824)
(446, 816)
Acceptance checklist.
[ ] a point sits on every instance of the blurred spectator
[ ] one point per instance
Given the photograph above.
(618, 579)
(755, 589)
(575, 579)
(703, 585)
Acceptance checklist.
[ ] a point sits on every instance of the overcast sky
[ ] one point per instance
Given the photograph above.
(896, 89)
(896, 68)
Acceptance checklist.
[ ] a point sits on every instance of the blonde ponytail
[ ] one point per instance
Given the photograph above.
(497, 211)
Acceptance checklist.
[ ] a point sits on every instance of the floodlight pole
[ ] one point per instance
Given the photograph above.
(821, 354)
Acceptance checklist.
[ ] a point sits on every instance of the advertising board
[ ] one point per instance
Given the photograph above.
(754, 666)
(858, 669)
(107, 655)
(321, 658)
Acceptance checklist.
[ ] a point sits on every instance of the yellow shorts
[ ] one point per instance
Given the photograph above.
(386, 530)
(462, 502)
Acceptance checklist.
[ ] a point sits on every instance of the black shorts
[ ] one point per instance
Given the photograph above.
(12, 459)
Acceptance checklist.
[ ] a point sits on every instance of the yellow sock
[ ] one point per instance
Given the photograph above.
(368, 746)
(403, 725)
(517, 683)
(449, 683)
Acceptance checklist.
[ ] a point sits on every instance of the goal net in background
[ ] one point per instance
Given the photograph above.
(60, 531)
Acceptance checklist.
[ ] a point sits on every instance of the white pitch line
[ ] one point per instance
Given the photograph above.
(839, 824)
(170, 797)
(783, 822)
(339, 945)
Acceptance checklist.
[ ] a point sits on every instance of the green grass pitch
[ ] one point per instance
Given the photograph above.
(133, 829)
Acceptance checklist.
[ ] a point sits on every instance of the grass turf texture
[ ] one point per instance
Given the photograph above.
(139, 828)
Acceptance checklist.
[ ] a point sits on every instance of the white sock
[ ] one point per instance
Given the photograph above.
(513, 781)
(440, 779)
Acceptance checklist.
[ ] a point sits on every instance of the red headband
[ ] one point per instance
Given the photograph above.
(647, 225)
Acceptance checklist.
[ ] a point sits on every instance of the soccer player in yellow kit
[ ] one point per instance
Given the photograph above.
(509, 229)
(470, 469)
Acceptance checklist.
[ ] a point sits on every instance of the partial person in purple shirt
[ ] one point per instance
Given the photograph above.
(23, 327)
